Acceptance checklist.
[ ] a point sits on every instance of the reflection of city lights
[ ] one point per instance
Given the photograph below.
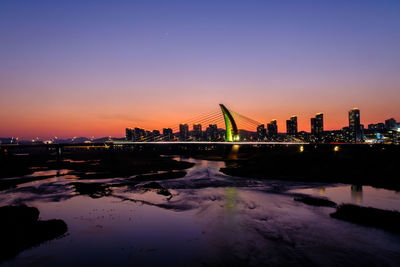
(231, 198)
(321, 191)
(357, 193)
(336, 148)
(301, 148)
(234, 152)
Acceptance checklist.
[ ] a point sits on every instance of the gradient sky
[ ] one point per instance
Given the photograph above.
(84, 68)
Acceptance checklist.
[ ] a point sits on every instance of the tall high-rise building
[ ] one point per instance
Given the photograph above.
(197, 131)
(317, 126)
(272, 129)
(291, 126)
(128, 134)
(183, 131)
(319, 123)
(138, 134)
(261, 132)
(155, 134)
(390, 124)
(212, 132)
(148, 134)
(355, 130)
(313, 126)
(167, 134)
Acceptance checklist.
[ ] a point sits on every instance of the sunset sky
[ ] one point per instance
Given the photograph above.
(93, 68)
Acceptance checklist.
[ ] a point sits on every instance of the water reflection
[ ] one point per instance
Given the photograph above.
(321, 191)
(211, 219)
(231, 199)
(357, 193)
(234, 152)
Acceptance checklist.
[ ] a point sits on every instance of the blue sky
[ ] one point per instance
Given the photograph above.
(266, 59)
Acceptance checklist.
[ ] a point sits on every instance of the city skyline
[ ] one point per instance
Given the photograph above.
(96, 69)
(289, 126)
(316, 124)
(387, 132)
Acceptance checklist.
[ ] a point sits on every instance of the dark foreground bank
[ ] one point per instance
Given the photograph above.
(139, 208)
(375, 165)
(351, 164)
(20, 229)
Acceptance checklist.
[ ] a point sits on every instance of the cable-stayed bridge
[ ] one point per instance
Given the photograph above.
(233, 124)
(203, 143)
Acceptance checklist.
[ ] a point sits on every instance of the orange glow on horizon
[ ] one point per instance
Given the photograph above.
(66, 125)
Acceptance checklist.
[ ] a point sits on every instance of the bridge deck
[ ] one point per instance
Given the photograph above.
(202, 143)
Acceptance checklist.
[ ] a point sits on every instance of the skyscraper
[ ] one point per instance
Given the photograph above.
(261, 132)
(354, 125)
(291, 126)
(272, 129)
(183, 132)
(167, 134)
(390, 124)
(319, 120)
(197, 131)
(128, 134)
(317, 126)
(212, 132)
(313, 126)
(155, 134)
(138, 134)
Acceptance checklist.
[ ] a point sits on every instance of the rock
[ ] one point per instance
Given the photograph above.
(156, 187)
(93, 190)
(20, 230)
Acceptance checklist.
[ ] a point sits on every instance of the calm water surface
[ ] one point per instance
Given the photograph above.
(356, 194)
(211, 219)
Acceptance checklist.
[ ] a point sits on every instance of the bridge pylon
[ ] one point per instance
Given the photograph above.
(232, 133)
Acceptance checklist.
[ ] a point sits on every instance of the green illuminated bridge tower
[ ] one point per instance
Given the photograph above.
(232, 133)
